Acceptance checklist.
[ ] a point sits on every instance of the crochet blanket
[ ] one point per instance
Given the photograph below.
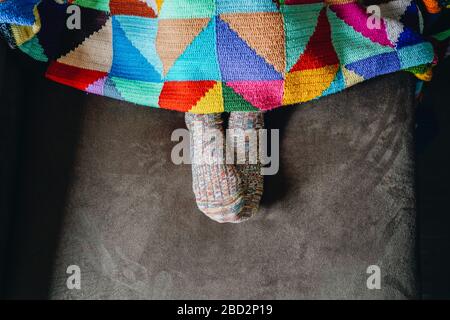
(206, 56)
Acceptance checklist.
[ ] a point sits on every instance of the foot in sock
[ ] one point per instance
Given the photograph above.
(250, 171)
(217, 186)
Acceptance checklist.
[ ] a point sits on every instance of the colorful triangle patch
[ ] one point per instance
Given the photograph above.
(174, 36)
(250, 27)
(82, 56)
(264, 95)
(234, 101)
(319, 51)
(73, 76)
(299, 23)
(238, 61)
(183, 95)
(212, 101)
(132, 65)
(199, 60)
(305, 85)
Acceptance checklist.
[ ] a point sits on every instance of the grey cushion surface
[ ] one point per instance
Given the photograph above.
(98, 190)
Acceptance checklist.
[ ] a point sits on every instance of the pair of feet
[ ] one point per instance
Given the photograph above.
(224, 191)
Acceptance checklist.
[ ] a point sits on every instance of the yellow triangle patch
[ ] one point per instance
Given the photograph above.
(212, 102)
(305, 85)
(24, 33)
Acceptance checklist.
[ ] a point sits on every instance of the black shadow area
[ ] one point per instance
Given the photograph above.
(275, 186)
(40, 129)
(433, 184)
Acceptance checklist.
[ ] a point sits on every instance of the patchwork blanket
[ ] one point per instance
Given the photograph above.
(206, 56)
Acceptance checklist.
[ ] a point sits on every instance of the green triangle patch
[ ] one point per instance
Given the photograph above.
(102, 5)
(34, 49)
(186, 9)
(234, 101)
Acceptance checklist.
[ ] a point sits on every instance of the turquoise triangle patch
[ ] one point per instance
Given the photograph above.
(187, 9)
(34, 49)
(142, 41)
(128, 61)
(299, 23)
(351, 45)
(199, 60)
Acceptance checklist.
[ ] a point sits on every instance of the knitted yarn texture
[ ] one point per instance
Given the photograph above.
(212, 56)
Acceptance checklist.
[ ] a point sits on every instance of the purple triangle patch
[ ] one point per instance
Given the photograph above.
(238, 61)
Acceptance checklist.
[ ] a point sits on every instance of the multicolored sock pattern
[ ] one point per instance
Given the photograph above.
(217, 185)
(211, 56)
(226, 192)
(250, 173)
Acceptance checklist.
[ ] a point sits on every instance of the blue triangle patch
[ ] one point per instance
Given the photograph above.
(238, 61)
(376, 65)
(408, 38)
(410, 35)
(143, 41)
(128, 61)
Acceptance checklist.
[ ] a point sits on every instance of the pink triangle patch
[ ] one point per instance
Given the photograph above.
(264, 95)
(354, 15)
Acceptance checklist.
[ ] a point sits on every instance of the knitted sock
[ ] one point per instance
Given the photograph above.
(250, 173)
(216, 185)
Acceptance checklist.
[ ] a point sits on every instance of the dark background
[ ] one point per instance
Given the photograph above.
(433, 184)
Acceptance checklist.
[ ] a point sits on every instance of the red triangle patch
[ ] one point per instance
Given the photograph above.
(131, 8)
(319, 51)
(183, 95)
(73, 76)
